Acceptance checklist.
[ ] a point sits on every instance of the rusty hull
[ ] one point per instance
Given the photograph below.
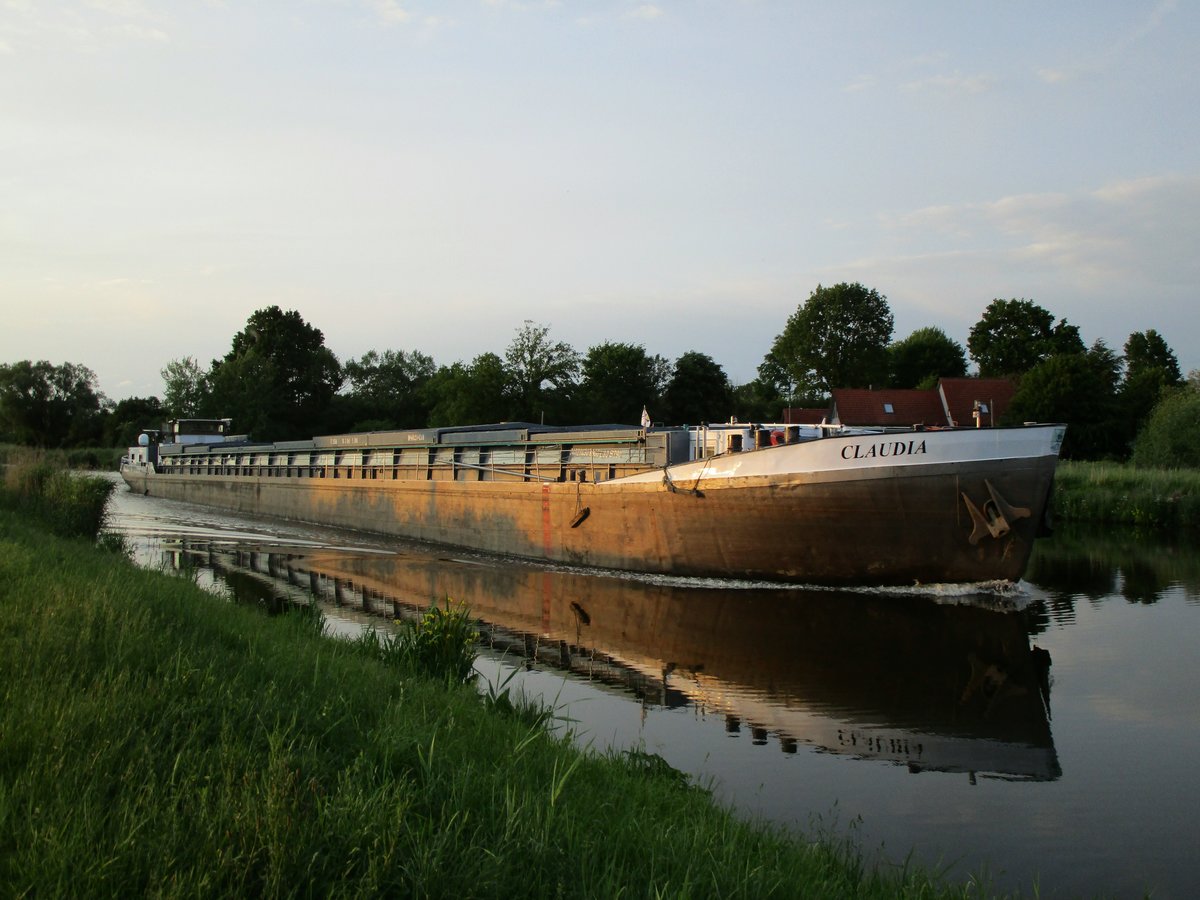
(883, 526)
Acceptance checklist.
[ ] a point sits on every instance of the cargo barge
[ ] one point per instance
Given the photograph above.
(800, 504)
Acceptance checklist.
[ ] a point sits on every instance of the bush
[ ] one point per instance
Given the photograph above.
(1171, 437)
(71, 505)
(440, 644)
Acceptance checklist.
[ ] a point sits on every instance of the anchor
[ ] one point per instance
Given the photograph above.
(995, 518)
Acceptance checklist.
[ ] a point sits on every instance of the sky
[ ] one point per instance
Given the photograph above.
(429, 175)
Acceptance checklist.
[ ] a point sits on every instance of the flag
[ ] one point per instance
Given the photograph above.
(645, 418)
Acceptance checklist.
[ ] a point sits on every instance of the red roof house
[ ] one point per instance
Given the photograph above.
(805, 415)
(861, 406)
(955, 401)
(962, 397)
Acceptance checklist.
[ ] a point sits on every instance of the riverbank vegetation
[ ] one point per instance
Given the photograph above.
(104, 459)
(38, 485)
(1116, 493)
(1158, 488)
(280, 382)
(159, 740)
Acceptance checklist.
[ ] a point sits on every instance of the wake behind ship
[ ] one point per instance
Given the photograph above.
(802, 504)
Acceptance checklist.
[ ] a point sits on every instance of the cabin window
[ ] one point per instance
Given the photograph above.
(889, 409)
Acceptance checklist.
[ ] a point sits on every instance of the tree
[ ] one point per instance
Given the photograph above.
(837, 338)
(389, 388)
(1170, 438)
(698, 391)
(278, 379)
(758, 401)
(125, 421)
(1151, 370)
(925, 356)
(1080, 390)
(1147, 351)
(618, 381)
(50, 406)
(472, 394)
(541, 373)
(187, 388)
(1013, 336)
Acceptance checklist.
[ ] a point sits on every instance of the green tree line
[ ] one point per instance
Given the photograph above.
(279, 380)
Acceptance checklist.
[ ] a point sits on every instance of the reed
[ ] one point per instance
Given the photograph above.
(1117, 493)
(71, 505)
(96, 458)
(443, 643)
(440, 644)
(158, 740)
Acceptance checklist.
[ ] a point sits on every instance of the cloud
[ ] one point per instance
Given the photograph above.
(1116, 259)
(1157, 16)
(1130, 230)
(955, 83)
(123, 8)
(1105, 59)
(46, 28)
(861, 83)
(920, 73)
(134, 32)
(390, 11)
(645, 12)
(521, 6)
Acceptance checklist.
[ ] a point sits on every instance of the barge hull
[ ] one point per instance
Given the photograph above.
(879, 525)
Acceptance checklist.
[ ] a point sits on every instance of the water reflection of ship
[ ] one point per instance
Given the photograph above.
(903, 679)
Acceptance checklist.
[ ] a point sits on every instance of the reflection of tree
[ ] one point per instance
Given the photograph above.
(1078, 561)
(1141, 583)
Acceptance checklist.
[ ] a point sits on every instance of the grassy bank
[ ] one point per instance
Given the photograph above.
(38, 486)
(106, 459)
(157, 740)
(1117, 493)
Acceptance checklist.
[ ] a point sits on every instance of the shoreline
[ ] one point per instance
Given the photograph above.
(163, 740)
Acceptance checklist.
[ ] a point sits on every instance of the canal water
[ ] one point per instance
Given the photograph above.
(1044, 737)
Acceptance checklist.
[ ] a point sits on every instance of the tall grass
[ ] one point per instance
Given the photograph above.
(440, 644)
(70, 505)
(157, 740)
(1104, 492)
(101, 458)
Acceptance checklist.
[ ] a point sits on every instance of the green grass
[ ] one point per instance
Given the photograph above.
(68, 504)
(1099, 492)
(98, 458)
(158, 740)
(440, 644)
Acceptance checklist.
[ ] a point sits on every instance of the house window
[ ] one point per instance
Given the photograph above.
(889, 409)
